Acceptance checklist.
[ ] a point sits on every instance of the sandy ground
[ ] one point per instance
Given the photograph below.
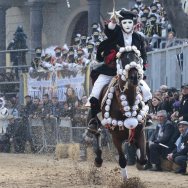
(40, 171)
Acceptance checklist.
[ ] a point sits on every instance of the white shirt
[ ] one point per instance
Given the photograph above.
(127, 39)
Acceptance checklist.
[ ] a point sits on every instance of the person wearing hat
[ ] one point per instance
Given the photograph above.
(36, 62)
(83, 41)
(180, 154)
(71, 57)
(138, 4)
(123, 35)
(81, 59)
(77, 41)
(64, 55)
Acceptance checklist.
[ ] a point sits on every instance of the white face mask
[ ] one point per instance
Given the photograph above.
(127, 25)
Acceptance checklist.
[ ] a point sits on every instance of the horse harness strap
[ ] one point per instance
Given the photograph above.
(112, 83)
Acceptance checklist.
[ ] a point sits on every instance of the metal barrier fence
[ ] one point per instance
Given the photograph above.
(46, 133)
(164, 67)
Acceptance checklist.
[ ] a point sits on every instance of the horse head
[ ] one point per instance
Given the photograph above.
(129, 65)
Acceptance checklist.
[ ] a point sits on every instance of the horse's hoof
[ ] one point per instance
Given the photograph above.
(139, 166)
(98, 162)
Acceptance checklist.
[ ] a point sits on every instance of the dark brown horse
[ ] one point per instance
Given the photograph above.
(124, 123)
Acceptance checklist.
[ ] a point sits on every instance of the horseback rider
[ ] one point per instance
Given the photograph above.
(121, 35)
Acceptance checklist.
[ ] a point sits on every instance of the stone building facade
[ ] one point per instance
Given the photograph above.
(51, 22)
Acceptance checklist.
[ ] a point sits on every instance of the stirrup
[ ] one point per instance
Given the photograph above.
(94, 128)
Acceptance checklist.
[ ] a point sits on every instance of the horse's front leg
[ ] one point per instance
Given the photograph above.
(122, 159)
(141, 150)
(98, 151)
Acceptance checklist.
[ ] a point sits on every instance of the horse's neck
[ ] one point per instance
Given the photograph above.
(131, 95)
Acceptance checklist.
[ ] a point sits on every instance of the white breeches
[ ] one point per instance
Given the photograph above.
(146, 93)
(101, 81)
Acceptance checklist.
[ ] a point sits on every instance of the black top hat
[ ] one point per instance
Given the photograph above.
(90, 45)
(153, 6)
(104, 49)
(125, 14)
(135, 10)
(76, 39)
(153, 17)
(143, 18)
(94, 25)
(38, 50)
(57, 49)
(83, 37)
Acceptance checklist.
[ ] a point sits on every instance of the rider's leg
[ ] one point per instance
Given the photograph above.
(101, 81)
(145, 91)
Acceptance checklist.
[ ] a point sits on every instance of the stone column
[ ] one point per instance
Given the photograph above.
(36, 23)
(93, 13)
(2, 35)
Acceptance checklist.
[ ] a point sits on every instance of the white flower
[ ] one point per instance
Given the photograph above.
(137, 102)
(122, 97)
(110, 95)
(137, 52)
(114, 122)
(120, 123)
(135, 107)
(126, 108)
(128, 114)
(109, 120)
(133, 64)
(112, 89)
(104, 121)
(106, 114)
(127, 67)
(134, 48)
(124, 103)
(122, 49)
(128, 48)
(139, 117)
(134, 113)
(107, 108)
(108, 101)
(139, 97)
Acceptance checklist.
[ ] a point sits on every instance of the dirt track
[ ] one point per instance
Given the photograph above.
(39, 171)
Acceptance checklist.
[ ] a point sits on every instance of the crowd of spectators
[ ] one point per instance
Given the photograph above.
(19, 127)
(169, 122)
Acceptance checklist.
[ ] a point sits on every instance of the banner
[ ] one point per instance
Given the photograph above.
(57, 83)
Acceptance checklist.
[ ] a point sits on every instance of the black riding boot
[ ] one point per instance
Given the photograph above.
(94, 122)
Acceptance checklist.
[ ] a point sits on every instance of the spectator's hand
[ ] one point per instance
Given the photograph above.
(181, 118)
(169, 156)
